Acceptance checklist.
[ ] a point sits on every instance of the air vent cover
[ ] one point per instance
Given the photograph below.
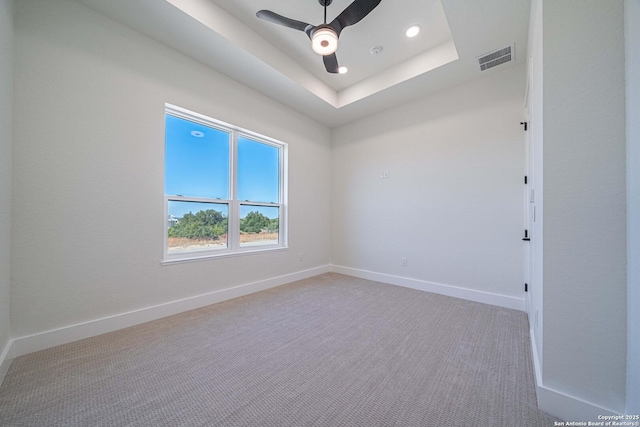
(497, 57)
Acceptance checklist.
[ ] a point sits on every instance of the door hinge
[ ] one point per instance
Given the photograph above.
(526, 287)
(525, 179)
(525, 124)
(526, 236)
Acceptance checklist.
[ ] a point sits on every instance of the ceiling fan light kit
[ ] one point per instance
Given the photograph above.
(324, 41)
(324, 37)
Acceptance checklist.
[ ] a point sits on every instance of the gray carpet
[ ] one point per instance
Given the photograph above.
(332, 350)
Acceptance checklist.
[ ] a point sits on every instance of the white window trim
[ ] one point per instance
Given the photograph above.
(233, 233)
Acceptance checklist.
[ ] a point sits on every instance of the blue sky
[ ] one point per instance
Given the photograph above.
(197, 164)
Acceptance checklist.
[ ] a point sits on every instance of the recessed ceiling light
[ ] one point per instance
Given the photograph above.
(197, 133)
(343, 70)
(413, 31)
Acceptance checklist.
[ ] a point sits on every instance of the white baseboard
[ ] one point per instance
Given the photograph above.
(437, 288)
(67, 334)
(569, 408)
(562, 405)
(6, 357)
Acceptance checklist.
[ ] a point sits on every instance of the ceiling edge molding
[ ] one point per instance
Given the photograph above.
(243, 37)
(430, 60)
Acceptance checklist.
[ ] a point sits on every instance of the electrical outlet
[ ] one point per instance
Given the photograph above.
(301, 256)
(404, 262)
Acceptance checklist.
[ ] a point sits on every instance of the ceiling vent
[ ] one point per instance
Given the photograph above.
(497, 57)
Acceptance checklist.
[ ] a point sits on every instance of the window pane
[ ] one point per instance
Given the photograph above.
(258, 171)
(194, 226)
(259, 225)
(196, 160)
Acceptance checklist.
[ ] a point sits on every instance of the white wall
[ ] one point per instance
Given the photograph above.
(88, 161)
(632, 43)
(452, 204)
(584, 201)
(6, 135)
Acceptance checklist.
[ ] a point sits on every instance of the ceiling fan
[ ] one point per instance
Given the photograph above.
(324, 37)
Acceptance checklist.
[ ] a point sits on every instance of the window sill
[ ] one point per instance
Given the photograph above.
(210, 255)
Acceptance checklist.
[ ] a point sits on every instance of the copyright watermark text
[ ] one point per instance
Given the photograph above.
(604, 421)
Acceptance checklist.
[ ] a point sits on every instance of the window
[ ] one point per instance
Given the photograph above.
(225, 188)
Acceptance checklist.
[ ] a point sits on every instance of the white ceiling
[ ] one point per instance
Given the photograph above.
(384, 27)
(277, 61)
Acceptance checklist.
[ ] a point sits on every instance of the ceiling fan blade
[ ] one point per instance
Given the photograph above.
(353, 14)
(331, 63)
(273, 17)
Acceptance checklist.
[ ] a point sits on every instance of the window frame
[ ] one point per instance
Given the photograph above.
(234, 248)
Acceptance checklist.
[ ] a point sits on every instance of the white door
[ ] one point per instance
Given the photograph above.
(529, 214)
